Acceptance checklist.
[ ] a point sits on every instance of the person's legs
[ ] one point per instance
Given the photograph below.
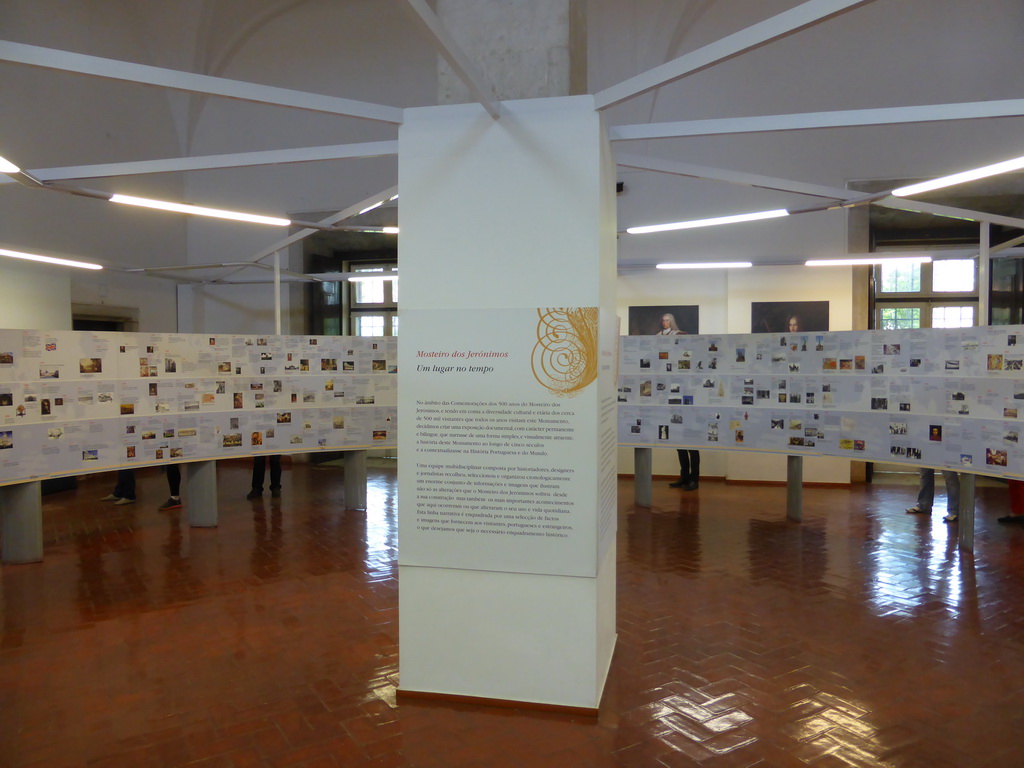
(174, 485)
(694, 470)
(952, 494)
(275, 475)
(684, 464)
(124, 488)
(925, 492)
(259, 470)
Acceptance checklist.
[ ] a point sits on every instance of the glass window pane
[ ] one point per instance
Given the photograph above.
(953, 275)
(332, 326)
(952, 317)
(369, 291)
(896, 318)
(330, 291)
(394, 287)
(899, 278)
(394, 325)
(369, 325)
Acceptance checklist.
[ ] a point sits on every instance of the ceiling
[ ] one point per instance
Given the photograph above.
(730, 106)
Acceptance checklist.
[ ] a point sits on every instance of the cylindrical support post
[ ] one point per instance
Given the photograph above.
(200, 493)
(966, 519)
(355, 479)
(21, 506)
(795, 488)
(643, 469)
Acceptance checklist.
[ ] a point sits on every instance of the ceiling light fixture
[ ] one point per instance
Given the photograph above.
(48, 259)
(706, 265)
(216, 213)
(867, 260)
(995, 169)
(735, 219)
(6, 166)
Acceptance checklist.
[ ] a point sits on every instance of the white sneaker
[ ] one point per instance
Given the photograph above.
(121, 502)
(951, 518)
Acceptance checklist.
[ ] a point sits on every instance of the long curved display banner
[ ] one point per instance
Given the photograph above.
(79, 402)
(941, 398)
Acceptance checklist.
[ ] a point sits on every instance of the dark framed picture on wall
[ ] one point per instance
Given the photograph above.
(663, 320)
(788, 316)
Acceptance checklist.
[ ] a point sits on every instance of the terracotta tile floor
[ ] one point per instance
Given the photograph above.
(861, 637)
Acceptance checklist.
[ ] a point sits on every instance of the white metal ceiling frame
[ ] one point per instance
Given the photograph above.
(782, 25)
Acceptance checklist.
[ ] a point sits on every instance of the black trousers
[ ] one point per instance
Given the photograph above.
(689, 465)
(259, 469)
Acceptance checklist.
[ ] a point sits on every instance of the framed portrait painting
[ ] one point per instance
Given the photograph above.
(788, 316)
(663, 320)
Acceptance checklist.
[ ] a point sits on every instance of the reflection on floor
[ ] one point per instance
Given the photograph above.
(861, 637)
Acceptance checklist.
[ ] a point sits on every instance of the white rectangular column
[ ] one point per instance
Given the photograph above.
(507, 491)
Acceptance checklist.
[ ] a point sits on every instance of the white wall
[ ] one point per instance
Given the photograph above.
(35, 296)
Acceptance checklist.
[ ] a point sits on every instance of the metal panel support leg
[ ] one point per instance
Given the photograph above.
(22, 508)
(966, 519)
(643, 468)
(200, 493)
(355, 479)
(795, 488)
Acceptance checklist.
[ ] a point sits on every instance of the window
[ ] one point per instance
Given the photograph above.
(943, 294)
(360, 307)
(375, 301)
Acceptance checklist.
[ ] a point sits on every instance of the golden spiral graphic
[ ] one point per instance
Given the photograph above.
(565, 357)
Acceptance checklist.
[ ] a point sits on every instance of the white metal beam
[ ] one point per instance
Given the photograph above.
(210, 162)
(812, 120)
(837, 194)
(673, 167)
(787, 23)
(904, 204)
(50, 58)
(346, 213)
(452, 53)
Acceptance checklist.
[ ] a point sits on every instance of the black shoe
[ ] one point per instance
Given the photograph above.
(254, 494)
(677, 484)
(690, 486)
(171, 503)
(1012, 519)
(275, 493)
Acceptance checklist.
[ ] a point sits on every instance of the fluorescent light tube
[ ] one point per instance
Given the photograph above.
(6, 166)
(756, 216)
(378, 276)
(48, 259)
(868, 260)
(706, 265)
(216, 213)
(1006, 166)
(370, 208)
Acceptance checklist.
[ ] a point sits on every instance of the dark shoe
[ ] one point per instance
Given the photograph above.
(171, 503)
(690, 487)
(1012, 519)
(916, 510)
(677, 484)
(275, 493)
(254, 494)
